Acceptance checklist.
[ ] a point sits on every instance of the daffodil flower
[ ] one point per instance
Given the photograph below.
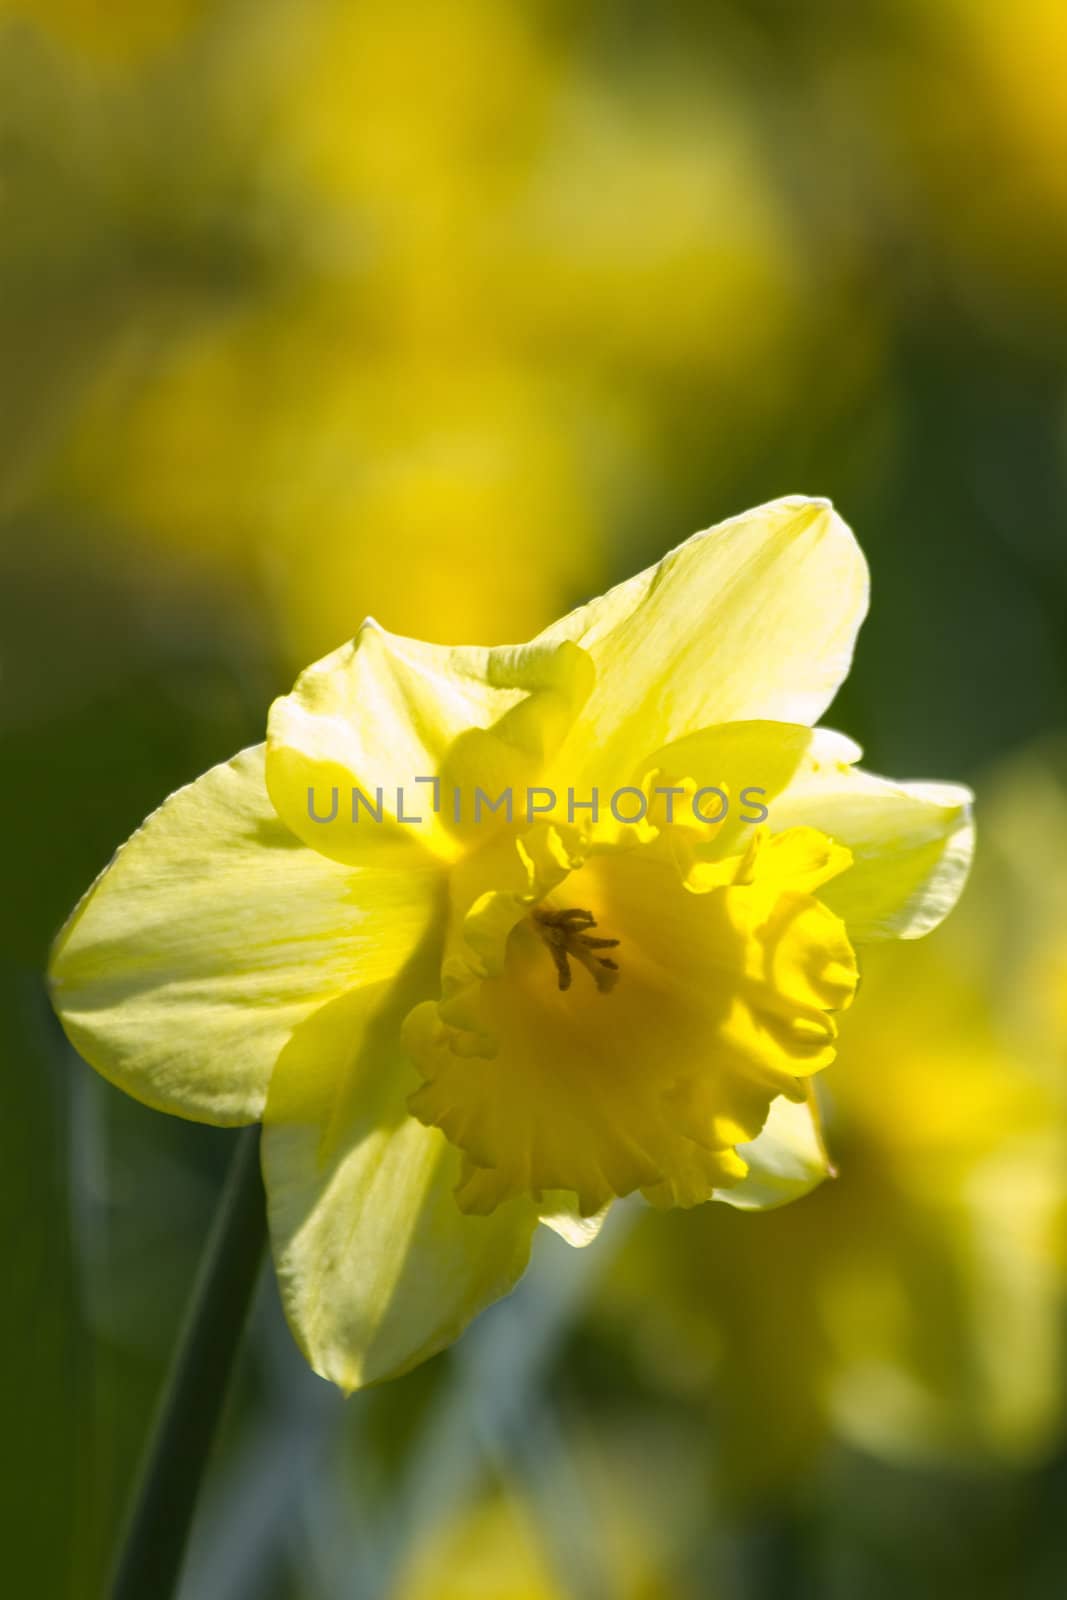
(454, 1030)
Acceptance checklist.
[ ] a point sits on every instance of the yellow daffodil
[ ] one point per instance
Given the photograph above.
(457, 1021)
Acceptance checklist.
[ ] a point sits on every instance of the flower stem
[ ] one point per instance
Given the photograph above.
(151, 1557)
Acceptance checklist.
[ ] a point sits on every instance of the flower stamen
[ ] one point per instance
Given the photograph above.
(566, 934)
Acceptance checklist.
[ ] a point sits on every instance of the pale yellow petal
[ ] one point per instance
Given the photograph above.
(565, 1218)
(748, 763)
(754, 618)
(414, 729)
(377, 1265)
(911, 843)
(786, 1161)
(214, 933)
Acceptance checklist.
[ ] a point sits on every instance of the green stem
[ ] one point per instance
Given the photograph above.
(151, 1557)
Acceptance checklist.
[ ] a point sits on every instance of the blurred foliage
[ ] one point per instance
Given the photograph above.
(453, 314)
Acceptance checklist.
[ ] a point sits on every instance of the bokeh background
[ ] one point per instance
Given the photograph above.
(453, 314)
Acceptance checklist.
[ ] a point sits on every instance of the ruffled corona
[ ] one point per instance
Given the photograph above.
(626, 1021)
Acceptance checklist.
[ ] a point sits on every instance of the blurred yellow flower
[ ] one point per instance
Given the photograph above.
(476, 291)
(498, 1548)
(271, 446)
(488, 1553)
(614, 982)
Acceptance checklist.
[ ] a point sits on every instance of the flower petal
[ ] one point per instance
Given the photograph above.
(212, 934)
(754, 618)
(383, 712)
(911, 843)
(786, 1161)
(565, 1218)
(378, 1267)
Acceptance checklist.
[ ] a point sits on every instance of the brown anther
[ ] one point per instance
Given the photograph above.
(564, 934)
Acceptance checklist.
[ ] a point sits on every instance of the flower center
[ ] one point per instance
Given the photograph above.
(566, 933)
(734, 970)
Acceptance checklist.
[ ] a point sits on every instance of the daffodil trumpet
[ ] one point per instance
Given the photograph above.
(457, 1029)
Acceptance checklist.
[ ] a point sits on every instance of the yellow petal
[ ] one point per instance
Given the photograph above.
(911, 843)
(565, 1218)
(785, 1161)
(752, 759)
(211, 935)
(754, 618)
(384, 712)
(377, 1265)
